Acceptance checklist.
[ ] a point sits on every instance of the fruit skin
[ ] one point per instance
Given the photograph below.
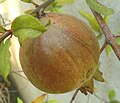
(63, 58)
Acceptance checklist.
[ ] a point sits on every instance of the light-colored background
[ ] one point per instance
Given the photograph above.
(110, 65)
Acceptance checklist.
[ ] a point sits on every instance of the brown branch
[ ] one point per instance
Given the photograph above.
(8, 33)
(117, 36)
(74, 96)
(109, 38)
(103, 47)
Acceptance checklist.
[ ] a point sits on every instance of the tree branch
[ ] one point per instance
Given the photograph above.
(109, 38)
(117, 36)
(103, 47)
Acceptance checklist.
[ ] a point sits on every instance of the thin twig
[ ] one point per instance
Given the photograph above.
(109, 38)
(3, 22)
(117, 36)
(74, 96)
(100, 98)
(19, 75)
(8, 33)
(42, 7)
(103, 47)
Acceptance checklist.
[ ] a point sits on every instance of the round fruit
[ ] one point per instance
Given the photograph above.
(63, 58)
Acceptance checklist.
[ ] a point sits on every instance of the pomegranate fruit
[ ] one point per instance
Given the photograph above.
(63, 58)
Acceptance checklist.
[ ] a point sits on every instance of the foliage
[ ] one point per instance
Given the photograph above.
(27, 26)
(5, 59)
(2, 1)
(111, 96)
(2, 30)
(91, 19)
(19, 100)
(108, 48)
(94, 5)
(41, 99)
(27, 1)
(63, 2)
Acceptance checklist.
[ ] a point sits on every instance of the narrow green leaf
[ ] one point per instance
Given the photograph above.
(51, 101)
(106, 18)
(27, 26)
(27, 1)
(2, 29)
(111, 95)
(99, 7)
(28, 11)
(1, 1)
(64, 2)
(57, 8)
(108, 50)
(118, 41)
(114, 101)
(19, 100)
(91, 19)
(5, 59)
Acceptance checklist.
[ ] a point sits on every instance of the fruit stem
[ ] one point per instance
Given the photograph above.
(42, 7)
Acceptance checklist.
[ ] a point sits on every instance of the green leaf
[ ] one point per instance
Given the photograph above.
(27, 26)
(28, 11)
(108, 50)
(27, 1)
(5, 59)
(118, 41)
(111, 95)
(106, 18)
(57, 8)
(64, 2)
(96, 6)
(2, 29)
(51, 101)
(91, 19)
(114, 101)
(2, 1)
(19, 100)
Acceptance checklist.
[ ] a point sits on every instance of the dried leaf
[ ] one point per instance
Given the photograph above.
(88, 87)
(39, 99)
(98, 76)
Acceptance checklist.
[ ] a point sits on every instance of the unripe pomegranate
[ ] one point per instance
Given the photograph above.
(63, 58)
